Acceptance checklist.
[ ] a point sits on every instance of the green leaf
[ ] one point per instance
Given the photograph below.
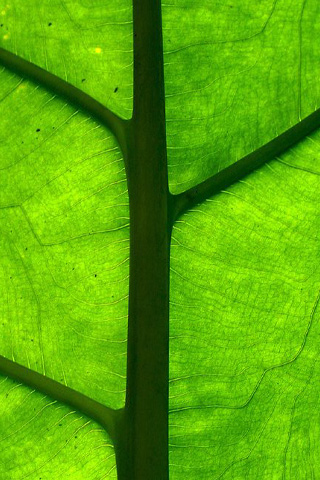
(43, 440)
(64, 224)
(87, 389)
(64, 276)
(244, 326)
(89, 44)
(237, 75)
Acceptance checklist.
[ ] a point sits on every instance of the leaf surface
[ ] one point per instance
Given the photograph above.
(64, 234)
(244, 267)
(237, 75)
(41, 439)
(244, 327)
(87, 43)
(64, 243)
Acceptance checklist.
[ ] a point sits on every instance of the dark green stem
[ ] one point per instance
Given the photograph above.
(143, 453)
(195, 195)
(75, 96)
(105, 416)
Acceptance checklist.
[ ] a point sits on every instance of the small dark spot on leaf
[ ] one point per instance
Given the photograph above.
(75, 447)
(1, 25)
(115, 90)
(49, 24)
(26, 248)
(83, 80)
(31, 339)
(38, 130)
(76, 436)
(60, 424)
(95, 274)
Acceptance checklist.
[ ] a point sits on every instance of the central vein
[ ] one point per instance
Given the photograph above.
(142, 450)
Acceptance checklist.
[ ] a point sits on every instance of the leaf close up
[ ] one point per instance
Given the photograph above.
(153, 155)
(244, 368)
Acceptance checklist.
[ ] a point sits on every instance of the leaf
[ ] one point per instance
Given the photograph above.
(64, 276)
(237, 75)
(86, 43)
(84, 346)
(42, 439)
(244, 326)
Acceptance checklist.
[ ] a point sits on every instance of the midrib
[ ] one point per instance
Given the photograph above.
(142, 451)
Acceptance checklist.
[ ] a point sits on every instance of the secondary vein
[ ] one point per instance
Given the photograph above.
(226, 177)
(105, 416)
(72, 94)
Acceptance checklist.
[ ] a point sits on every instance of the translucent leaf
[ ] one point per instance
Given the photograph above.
(237, 75)
(244, 327)
(41, 439)
(64, 243)
(87, 42)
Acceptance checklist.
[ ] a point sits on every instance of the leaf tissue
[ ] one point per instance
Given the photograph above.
(159, 219)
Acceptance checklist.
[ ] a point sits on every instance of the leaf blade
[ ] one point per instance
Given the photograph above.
(77, 42)
(64, 222)
(41, 438)
(244, 326)
(237, 75)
